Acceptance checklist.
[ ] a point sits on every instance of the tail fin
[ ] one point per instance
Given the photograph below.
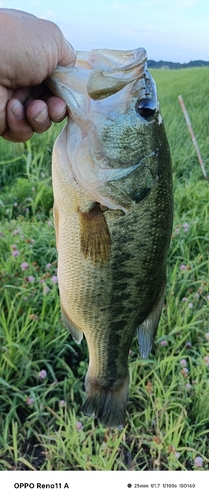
(108, 404)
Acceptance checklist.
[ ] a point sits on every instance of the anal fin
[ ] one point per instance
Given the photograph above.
(76, 333)
(94, 234)
(147, 330)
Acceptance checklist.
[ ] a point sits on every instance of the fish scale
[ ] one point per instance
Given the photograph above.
(111, 258)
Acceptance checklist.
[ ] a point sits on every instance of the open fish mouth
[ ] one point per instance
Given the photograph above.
(111, 70)
(102, 72)
(110, 59)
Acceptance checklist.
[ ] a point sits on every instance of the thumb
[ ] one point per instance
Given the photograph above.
(66, 54)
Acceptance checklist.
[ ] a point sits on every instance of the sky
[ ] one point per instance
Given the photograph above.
(170, 30)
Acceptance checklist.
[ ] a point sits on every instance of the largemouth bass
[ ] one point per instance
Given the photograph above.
(113, 212)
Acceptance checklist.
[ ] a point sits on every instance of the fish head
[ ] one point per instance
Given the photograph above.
(124, 144)
(115, 127)
(123, 121)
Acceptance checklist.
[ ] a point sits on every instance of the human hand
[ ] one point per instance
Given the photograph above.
(30, 50)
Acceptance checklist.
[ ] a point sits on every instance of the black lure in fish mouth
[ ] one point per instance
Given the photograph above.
(145, 108)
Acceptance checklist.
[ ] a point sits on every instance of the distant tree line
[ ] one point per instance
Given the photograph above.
(172, 65)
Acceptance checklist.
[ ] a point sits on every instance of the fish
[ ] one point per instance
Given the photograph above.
(113, 215)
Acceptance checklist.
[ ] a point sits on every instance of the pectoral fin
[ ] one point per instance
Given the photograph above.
(147, 330)
(76, 333)
(94, 234)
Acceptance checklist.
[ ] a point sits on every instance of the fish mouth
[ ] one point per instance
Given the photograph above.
(110, 59)
(100, 79)
(105, 82)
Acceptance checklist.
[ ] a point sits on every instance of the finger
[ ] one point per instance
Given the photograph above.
(38, 116)
(56, 108)
(18, 129)
(22, 94)
(4, 96)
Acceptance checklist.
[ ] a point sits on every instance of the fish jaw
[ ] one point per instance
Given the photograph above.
(110, 59)
(111, 70)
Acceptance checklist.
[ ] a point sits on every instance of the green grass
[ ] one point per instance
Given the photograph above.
(42, 426)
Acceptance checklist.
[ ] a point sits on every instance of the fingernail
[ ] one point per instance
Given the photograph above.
(59, 118)
(41, 117)
(18, 111)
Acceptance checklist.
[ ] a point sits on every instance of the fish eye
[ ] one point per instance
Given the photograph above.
(145, 108)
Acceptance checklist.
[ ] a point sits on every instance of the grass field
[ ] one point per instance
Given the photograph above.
(42, 370)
